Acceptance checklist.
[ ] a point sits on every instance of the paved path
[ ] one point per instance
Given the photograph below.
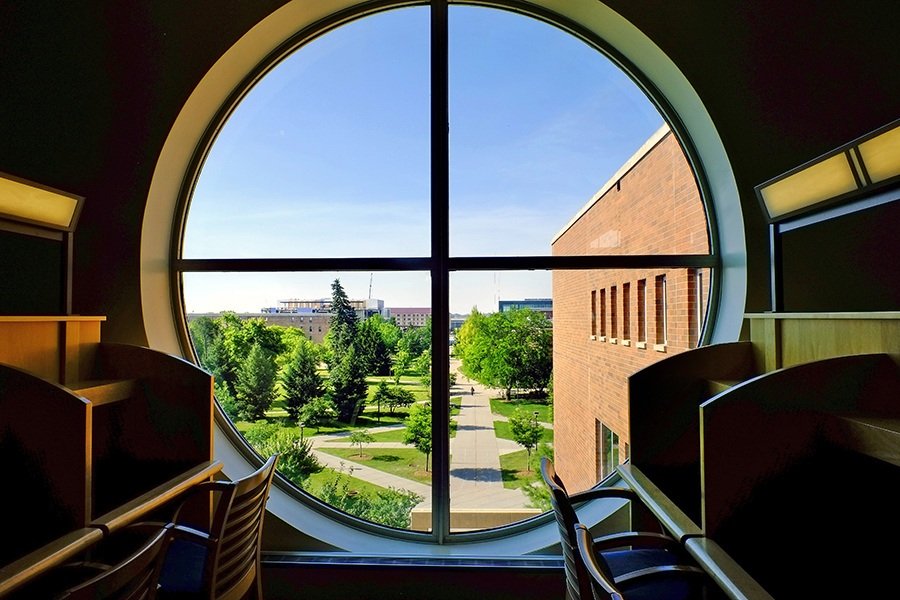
(475, 479)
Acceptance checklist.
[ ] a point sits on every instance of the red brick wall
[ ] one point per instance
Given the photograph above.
(655, 209)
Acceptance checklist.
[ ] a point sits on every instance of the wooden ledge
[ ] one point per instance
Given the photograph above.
(678, 524)
(155, 498)
(49, 319)
(45, 558)
(729, 575)
(101, 392)
(878, 437)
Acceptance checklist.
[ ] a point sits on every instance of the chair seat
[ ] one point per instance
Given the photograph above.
(183, 569)
(658, 587)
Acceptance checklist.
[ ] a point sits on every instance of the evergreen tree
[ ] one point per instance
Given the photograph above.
(347, 383)
(343, 322)
(255, 384)
(372, 348)
(300, 380)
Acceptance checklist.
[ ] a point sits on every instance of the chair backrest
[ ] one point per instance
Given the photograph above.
(576, 576)
(578, 585)
(135, 578)
(237, 525)
(602, 586)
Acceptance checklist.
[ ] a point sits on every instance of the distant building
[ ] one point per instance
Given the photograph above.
(542, 305)
(610, 323)
(312, 323)
(364, 308)
(410, 317)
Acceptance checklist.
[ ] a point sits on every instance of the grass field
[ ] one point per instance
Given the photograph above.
(506, 408)
(502, 430)
(512, 469)
(408, 463)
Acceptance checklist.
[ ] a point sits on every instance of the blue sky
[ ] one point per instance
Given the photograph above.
(328, 155)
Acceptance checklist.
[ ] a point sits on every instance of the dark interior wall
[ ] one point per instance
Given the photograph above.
(90, 90)
(784, 82)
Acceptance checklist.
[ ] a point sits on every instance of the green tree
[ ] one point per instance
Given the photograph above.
(347, 386)
(255, 384)
(382, 396)
(371, 346)
(416, 340)
(526, 431)
(402, 363)
(507, 350)
(391, 507)
(300, 378)
(360, 437)
(399, 396)
(342, 330)
(296, 460)
(316, 412)
(418, 429)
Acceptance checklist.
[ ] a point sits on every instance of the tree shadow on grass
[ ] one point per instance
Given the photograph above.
(386, 458)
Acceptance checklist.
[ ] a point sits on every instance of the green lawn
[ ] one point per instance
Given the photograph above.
(507, 407)
(503, 431)
(408, 463)
(512, 469)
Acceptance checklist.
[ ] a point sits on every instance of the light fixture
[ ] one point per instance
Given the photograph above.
(854, 169)
(33, 204)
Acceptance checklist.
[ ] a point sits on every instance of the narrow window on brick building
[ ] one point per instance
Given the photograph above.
(603, 313)
(593, 314)
(626, 311)
(698, 306)
(642, 311)
(608, 456)
(695, 306)
(613, 317)
(662, 310)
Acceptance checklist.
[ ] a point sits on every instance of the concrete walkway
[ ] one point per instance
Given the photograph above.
(475, 477)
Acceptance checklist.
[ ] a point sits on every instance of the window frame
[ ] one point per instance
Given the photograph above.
(440, 264)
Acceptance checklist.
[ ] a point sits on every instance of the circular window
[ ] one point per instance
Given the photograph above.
(413, 314)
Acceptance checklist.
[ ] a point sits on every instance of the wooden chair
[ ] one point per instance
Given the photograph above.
(648, 550)
(135, 578)
(223, 563)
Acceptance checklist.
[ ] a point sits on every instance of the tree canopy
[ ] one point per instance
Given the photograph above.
(506, 350)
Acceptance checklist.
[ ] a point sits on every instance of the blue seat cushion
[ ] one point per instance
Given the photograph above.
(183, 568)
(661, 587)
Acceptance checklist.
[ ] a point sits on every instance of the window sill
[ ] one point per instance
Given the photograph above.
(659, 347)
(642, 345)
(626, 342)
(593, 338)
(602, 338)
(613, 340)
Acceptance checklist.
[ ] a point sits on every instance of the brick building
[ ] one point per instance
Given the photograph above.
(611, 323)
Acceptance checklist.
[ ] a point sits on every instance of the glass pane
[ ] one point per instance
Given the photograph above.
(500, 399)
(540, 121)
(537, 371)
(343, 395)
(665, 311)
(328, 155)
